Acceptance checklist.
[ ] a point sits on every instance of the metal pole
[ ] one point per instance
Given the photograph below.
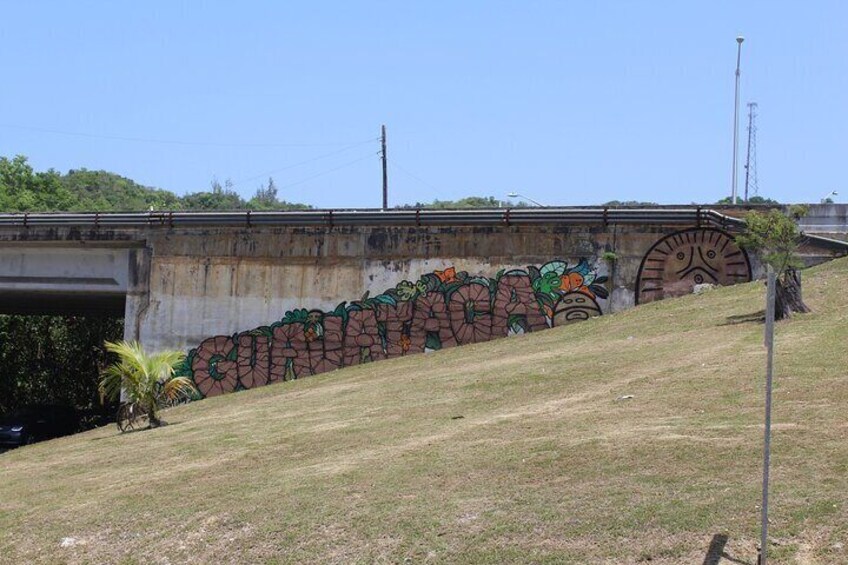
(739, 41)
(769, 339)
(517, 195)
(385, 174)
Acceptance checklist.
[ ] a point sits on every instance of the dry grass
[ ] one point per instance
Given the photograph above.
(546, 465)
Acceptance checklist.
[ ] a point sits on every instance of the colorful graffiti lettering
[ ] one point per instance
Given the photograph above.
(440, 310)
(679, 261)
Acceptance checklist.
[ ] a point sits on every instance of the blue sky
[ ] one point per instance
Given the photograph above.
(566, 102)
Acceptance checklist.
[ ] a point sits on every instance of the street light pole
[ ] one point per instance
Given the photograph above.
(739, 41)
(517, 195)
(385, 175)
(829, 194)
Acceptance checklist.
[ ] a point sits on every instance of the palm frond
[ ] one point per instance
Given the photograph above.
(111, 382)
(163, 363)
(178, 388)
(141, 377)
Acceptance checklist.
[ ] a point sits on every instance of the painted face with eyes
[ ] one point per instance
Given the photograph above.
(575, 306)
(678, 262)
(697, 264)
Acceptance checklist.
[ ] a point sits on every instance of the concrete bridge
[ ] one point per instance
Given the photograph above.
(265, 296)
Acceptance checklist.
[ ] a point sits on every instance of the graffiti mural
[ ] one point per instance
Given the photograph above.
(679, 261)
(439, 310)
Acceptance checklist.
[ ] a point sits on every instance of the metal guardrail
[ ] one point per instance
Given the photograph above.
(668, 216)
(825, 242)
(411, 217)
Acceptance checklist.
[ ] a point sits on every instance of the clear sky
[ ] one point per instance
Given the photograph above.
(567, 102)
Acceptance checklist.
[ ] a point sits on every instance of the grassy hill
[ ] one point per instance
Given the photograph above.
(518, 450)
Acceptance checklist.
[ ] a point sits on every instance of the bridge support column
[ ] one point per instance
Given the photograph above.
(138, 292)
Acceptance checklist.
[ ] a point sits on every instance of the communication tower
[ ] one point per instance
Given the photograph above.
(751, 161)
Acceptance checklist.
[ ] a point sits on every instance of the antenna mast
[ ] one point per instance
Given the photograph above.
(751, 160)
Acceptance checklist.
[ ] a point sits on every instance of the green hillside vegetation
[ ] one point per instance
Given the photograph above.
(22, 189)
(467, 202)
(102, 191)
(513, 451)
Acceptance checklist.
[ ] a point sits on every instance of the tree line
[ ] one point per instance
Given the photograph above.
(22, 189)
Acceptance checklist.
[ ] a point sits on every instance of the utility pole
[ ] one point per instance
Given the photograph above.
(752, 133)
(385, 173)
(739, 41)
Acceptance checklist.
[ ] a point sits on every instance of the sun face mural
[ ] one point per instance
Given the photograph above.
(439, 310)
(679, 261)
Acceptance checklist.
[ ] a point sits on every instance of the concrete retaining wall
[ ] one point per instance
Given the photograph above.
(254, 304)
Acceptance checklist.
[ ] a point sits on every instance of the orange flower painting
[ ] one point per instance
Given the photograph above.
(446, 276)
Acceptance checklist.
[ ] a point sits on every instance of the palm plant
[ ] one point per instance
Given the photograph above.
(147, 381)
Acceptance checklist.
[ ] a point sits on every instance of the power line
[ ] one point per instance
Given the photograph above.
(307, 161)
(328, 171)
(171, 141)
(393, 164)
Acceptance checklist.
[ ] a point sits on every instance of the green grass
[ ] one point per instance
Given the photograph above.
(546, 465)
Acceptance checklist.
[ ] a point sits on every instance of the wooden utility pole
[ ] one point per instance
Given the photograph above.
(385, 173)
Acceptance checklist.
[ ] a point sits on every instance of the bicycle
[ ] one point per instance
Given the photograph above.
(131, 416)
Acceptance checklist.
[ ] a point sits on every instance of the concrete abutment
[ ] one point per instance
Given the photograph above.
(254, 303)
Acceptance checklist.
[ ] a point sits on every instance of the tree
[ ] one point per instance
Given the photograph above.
(23, 190)
(467, 202)
(146, 380)
(102, 191)
(219, 198)
(53, 360)
(266, 195)
(266, 199)
(753, 200)
(628, 203)
(775, 236)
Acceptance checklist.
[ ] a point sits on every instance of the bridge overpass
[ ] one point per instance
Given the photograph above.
(259, 296)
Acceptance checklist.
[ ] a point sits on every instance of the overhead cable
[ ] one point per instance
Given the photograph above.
(173, 141)
(307, 161)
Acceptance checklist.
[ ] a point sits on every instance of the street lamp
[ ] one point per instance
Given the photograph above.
(739, 41)
(517, 195)
(828, 195)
